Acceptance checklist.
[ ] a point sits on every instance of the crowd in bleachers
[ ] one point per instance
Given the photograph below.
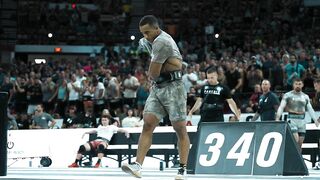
(256, 42)
(81, 22)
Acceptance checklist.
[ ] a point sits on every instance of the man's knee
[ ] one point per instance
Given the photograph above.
(150, 122)
(82, 149)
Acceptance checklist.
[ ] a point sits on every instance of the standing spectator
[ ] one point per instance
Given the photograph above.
(254, 76)
(293, 70)
(142, 94)
(297, 103)
(98, 95)
(74, 89)
(20, 95)
(48, 88)
(34, 94)
(130, 86)
(7, 86)
(268, 103)
(61, 93)
(190, 78)
(87, 94)
(113, 94)
(41, 119)
(234, 80)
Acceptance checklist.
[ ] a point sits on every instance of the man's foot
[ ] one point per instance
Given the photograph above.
(181, 174)
(73, 165)
(97, 165)
(133, 169)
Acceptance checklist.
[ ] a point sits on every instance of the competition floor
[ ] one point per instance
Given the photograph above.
(117, 174)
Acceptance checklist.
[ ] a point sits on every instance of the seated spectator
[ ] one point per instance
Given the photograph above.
(23, 121)
(70, 119)
(12, 123)
(41, 119)
(104, 132)
(131, 121)
(86, 119)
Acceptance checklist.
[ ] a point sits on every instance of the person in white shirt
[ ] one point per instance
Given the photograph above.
(130, 85)
(74, 89)
(104, 133)
(131, 121)
(190, 78)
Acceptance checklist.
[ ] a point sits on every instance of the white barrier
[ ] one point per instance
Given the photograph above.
(61, 145)
(245, 117)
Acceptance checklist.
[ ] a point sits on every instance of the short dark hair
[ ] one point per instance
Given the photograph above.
(211, 69)
(297, 80)
(316, 80)
(149, 19)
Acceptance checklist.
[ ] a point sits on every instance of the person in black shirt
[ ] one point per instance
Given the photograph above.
(268, 103)
(212, 98)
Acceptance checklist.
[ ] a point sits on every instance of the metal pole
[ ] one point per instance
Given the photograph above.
(3, 133)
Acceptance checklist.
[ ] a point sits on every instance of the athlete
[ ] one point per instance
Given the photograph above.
(167, 94)
(297, 103)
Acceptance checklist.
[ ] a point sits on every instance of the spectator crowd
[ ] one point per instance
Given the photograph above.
(256, 41)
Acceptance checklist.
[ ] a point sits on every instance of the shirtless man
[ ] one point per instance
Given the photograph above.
(167, 94)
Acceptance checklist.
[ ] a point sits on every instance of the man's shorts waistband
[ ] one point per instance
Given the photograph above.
(104, 139)
(296, 116)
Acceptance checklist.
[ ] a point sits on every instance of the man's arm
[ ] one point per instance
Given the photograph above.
(196, 106)
(312, 113)
(154, 70)
(234, 108)
(280, 109)
(255, 117)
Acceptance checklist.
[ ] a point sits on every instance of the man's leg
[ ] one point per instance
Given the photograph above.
(82, 149)
(145, 140)
(183, 147)
(183, 140)
(300, 142)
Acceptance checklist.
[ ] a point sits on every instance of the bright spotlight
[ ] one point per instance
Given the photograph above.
(132, 37)
(50, 35)
(216, 36)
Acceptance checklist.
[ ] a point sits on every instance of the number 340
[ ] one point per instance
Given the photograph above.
(243, 143)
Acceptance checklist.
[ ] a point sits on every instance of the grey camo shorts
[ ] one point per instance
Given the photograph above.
(170, 99)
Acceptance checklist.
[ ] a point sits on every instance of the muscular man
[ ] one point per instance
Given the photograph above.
(296, 102)
(167, 95)
(212, 98)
